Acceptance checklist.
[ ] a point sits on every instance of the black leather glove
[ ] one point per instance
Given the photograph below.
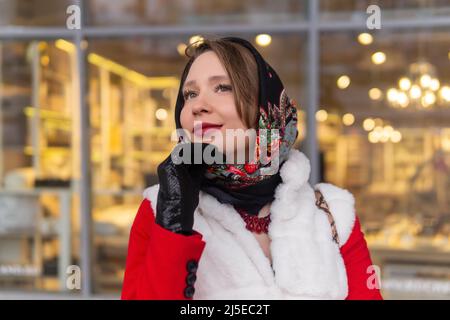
(179, 188)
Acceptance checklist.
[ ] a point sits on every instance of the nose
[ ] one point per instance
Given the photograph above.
(201, 107)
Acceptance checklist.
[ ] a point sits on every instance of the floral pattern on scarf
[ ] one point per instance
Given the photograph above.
(281, 116)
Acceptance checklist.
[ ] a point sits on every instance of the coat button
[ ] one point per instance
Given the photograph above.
(189, 291)
(190, 279)
(191, 266)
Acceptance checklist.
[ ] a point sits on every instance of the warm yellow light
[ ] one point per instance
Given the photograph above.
(385, 135)
(197, 39)
(343, 81)
(396, 136)
(263, 40)
(375, 94)
(445, 93)
(365, 38)
(425, 80)
(428, 99)
(348, 119)
(161, 114)
(42, 45)
(378, 57)
(69, 47)
(392, 94)
(378, 129)
(445, 143)
(424, 103)
(404, 84)
(402, 99)
(181, 48)
(368, 124)
(378, 122)
(415, 92)
(45, 60)
(374, 137)
(321, 115)
(31, 112)
(435, 84)
(388, 129)
(65, 45)
(131, 75)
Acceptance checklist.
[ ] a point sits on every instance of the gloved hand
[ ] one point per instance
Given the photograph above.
(179, 188)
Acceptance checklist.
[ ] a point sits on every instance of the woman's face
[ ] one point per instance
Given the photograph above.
(209, 100)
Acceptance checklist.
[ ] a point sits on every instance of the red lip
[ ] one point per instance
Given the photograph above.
(202, 127)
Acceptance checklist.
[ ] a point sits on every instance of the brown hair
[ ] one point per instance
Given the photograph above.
(242, 70)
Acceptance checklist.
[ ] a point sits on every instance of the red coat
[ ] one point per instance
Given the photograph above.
(157, 260)
(224, 260)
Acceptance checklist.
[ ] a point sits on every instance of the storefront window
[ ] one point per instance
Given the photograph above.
(382, 124)
(193, 12)
(391, 9)
(42, 13)
(38, 112)
(384, 133)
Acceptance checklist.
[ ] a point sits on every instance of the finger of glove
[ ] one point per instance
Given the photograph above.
(171, 179)
(168, 213)
(176, 214)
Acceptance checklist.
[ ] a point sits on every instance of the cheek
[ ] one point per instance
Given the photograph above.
(233, 120)
(229, 114)
(185, 119)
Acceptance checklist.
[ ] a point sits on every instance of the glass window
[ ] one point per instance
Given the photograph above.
(34, 12)
(390, 9)
(384, 133)
(133, 85)
(38, 108)
(383, 128)
(193, 12)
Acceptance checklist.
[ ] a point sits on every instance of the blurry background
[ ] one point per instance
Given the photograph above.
(86, 116)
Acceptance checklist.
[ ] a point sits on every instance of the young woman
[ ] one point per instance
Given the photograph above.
(229, 231)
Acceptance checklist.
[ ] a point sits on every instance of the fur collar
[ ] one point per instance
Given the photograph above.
(307, 263)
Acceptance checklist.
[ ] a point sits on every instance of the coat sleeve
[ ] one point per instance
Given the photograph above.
(357, 261)
(160, 264)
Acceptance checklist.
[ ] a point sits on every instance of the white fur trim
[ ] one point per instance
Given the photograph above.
(296, 169)
(307, 262)
(151, 194)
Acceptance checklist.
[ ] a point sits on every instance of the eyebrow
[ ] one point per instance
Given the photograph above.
(210, 79)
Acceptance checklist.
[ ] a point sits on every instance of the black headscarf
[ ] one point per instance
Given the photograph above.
(244, 185)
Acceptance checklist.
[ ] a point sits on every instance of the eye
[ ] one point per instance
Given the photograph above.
(223, 87)
(189, 94)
